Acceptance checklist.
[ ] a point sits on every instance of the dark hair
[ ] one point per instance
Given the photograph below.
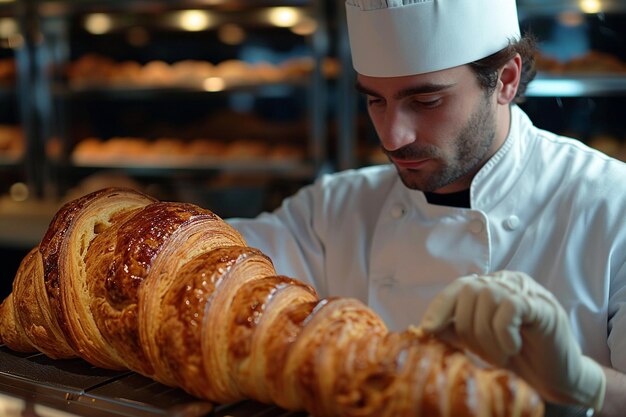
(487, 68)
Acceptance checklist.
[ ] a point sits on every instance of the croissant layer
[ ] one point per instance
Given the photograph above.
(171, 291)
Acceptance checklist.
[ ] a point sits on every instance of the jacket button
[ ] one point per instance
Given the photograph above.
(511, 223)
(397, 212)
(476, 226)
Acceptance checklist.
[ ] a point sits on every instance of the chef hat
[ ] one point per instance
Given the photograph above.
(392, 38)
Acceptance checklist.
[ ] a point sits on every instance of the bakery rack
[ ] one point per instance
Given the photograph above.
(14, 60)
(65, 6)
(66, 102)
(35, 386)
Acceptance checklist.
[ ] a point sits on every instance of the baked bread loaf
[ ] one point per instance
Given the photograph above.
(171, 291)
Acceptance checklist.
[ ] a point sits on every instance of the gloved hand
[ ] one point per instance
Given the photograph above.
(513, 322)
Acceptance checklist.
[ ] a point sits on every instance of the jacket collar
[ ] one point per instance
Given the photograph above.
(499, 175)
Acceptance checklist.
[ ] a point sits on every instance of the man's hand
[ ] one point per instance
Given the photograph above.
(511, 321)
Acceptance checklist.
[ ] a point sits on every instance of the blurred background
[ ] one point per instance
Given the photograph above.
(234, 104)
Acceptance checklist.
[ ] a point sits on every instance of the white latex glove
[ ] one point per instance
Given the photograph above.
(513, 322)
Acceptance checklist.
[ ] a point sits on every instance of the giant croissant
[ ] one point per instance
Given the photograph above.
(171, 291)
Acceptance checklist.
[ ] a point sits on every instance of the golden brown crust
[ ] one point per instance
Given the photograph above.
(137, 242)
(64, 250)
(54, 241)
(202, 235)
(173, 292)
(410, 374)
(51, 247)
(248, 266)
(318, 353)
(11, 332)
(33, 309)
(286, 330)
(255, 308)
(116, 275)
(248, 309)
(184, 306)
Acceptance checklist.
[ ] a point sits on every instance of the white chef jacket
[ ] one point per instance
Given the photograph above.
(543, 204)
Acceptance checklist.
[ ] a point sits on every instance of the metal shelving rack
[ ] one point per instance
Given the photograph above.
(19, 93)
(53, 19)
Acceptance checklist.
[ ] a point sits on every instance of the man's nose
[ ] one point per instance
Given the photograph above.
(398, 130)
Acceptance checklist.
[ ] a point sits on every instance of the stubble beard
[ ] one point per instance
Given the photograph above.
(470, 151)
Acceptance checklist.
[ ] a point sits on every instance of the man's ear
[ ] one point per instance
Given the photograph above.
(508, 80)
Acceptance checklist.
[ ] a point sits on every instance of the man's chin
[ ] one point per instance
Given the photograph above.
(421, 181)
(413, 180)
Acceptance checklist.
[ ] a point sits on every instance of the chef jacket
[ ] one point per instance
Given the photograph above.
(543, 204)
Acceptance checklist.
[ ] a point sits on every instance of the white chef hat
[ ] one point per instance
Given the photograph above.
(392, 38)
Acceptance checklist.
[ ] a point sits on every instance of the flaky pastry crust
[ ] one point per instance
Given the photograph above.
(171, 291)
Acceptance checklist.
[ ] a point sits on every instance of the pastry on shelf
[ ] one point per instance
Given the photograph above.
(285, 152)
(547, 63)
(156, 74)
(191, 72)
(125, 74)
(266, 73)
(90, 70)
(87, 150)
(296, 68)
(11, 141)
(244, 149)
(206, 148)
(8, 71)
(94, 70)
(593, 62)
(114, 150)
(234, 72)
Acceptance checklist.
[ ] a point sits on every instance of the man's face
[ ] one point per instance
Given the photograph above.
(438, 129)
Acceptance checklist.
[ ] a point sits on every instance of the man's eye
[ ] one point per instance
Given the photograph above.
(374, 101)
(429, 103)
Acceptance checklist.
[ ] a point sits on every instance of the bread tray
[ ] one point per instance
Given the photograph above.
(73, 387)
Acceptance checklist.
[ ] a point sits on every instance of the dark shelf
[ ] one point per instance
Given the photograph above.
(10, 162)
(64, 7)
(282, 168)
(166, 92)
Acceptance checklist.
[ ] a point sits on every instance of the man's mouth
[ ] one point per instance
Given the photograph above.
(410, 164)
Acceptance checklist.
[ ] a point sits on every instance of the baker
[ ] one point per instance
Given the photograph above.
(502, 238)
